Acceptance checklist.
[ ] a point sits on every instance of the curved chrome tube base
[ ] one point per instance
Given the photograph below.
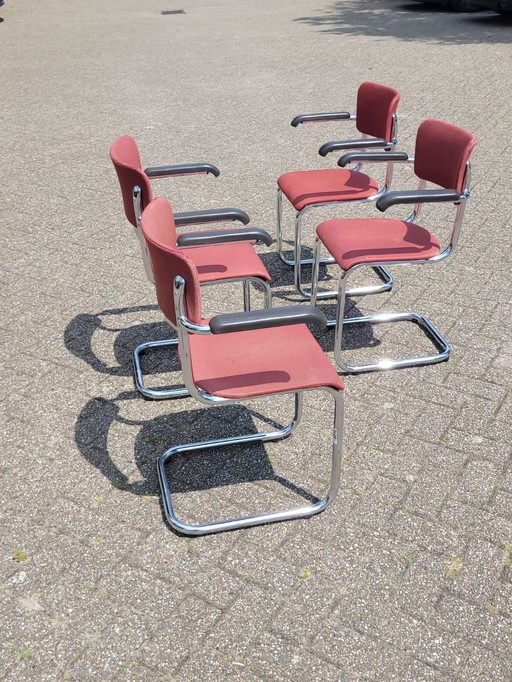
(386, 285)
(302, 512)
(154, 393)
(428, 328)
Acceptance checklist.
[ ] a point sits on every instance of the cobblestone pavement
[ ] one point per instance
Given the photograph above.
(407, 576)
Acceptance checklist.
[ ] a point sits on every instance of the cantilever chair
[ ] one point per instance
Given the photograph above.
(137, 192)
(235, 357)
(220, 256)
(441, 157)
(375, 119)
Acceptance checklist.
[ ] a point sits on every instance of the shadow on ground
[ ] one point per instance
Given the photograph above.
(408, 22)
(192, 472)
(79, 335)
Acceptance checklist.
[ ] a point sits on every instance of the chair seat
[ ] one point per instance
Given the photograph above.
(303, 188)
(254, 363)
(232, 260)
(374, 240)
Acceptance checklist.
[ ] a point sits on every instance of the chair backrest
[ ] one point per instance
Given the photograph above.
(376, 106)
(168, 262)
(126, 160)
(442, 153)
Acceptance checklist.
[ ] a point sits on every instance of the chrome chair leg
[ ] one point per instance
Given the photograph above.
(153, 393)
(279, 237)
(387, 279)
(247, 295)
(424, 323)
(266, 517)
(266, 290)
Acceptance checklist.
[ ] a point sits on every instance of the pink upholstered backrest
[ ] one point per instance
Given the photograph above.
(376, 105)
(442, 152)
(167, 262)
(126, 160)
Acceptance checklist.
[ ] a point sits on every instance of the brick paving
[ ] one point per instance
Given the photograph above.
(408, 575)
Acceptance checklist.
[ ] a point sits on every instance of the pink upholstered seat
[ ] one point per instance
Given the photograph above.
(234, 260)
(303, 188)
(260, 362)
(216, 262)
(376, 106)
(373, 240)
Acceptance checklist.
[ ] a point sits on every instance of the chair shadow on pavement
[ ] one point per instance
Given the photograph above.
(82, 332)
(78, 339)
(216, 468)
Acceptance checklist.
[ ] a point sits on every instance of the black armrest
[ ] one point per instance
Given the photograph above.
(212, 215)
(375, 143)
(418, 196)
(273, 317)
(384, 157)
(310, 118)
(244, 234)
(182, 169)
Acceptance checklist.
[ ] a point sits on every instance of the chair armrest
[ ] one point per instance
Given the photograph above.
(182, 169)
(375, 157)
(212, 215)
(433, 196)
(248, 234)
(262, 319)
(375, 143)
(328, 116)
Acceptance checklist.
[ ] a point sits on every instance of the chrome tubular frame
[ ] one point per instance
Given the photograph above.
(298, 262)
(154, 393)
(387, 184)
(301, 512)
(417, 207)
(185, 327)
(439, 342)
(180, 391)
(430, 330)
(137, 203)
